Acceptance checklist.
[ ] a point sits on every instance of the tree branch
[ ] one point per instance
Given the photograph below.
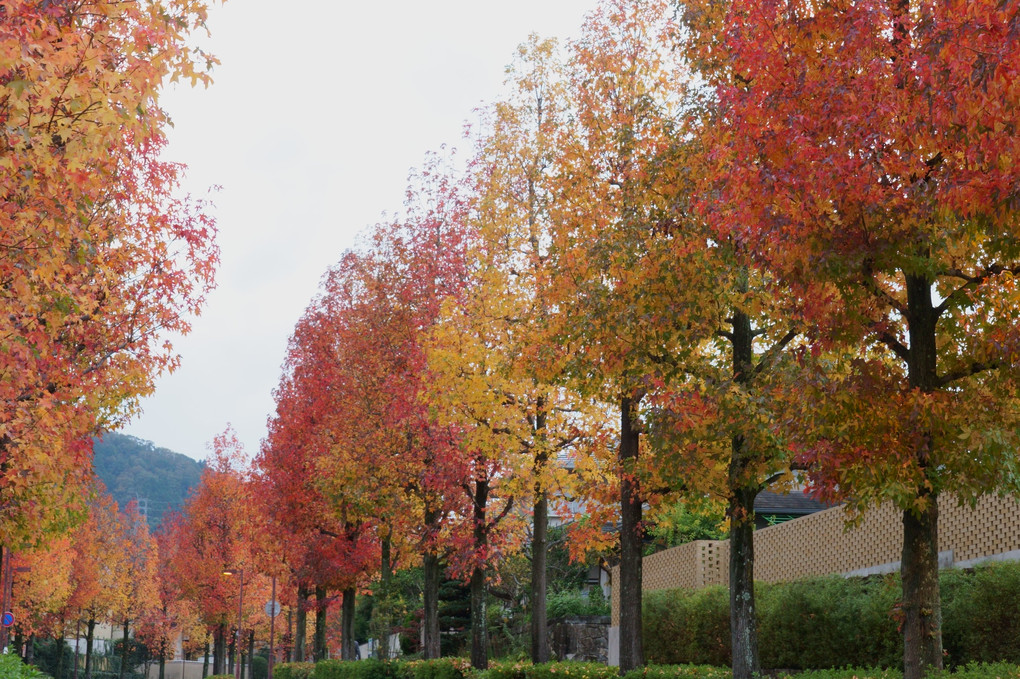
(972, 281)
(875, 289)
(966, 371)
(897, 347)
(772, 352)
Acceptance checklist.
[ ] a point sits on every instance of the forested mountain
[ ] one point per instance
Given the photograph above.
(135, 469)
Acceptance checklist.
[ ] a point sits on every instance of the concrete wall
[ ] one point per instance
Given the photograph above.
(820, 544)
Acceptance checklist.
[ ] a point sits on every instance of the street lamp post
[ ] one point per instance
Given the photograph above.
(240, 601)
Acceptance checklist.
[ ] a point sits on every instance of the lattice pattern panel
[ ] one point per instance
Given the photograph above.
(820, 544)
(992, 527)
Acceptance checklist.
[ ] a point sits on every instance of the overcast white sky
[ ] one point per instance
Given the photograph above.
(318, 111)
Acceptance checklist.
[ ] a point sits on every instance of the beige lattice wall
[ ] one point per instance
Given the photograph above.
(819, 544)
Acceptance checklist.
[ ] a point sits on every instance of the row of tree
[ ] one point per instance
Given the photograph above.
(689, 254)
(772, 237)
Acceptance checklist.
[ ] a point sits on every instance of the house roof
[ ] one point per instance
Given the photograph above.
(794, 503)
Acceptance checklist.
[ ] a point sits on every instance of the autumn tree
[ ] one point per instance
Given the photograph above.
(864, 152)
(141, 582)
(102, 257)
(494, 373)
(213, 535)
(612, 272)
(100, 565)
(42, 585)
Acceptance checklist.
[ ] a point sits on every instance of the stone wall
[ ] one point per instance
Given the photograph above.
(580, 638)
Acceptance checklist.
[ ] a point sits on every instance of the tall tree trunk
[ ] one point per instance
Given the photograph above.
(479, 624)
(90, 629)
(30, 650)
(430, 602)
(385, 576)
(251, 654)
(219, 648)
(743, 621)
(125, 654)
(231, 653)
(162, 664)
(205, 659)
(289, 650)
(60, 653)
(301, 623)
(743, 486)
(539, 543)
(919, 565)
(631, 543)
(539, 555)
(319, 642)
(922, 611)
(348, 644)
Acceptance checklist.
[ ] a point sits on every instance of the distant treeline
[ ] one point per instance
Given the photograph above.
(135, 469)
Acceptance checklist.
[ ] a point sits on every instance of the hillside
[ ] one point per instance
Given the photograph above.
(132, 468)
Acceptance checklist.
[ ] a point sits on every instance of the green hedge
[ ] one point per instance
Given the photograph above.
(820, 623)
(371, 668)
(293, 670)
(971, 671)
(443, 668)
(679, 672)
(549, 670)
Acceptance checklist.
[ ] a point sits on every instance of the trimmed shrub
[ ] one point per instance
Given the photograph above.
(979, 613)
(679, 672)
(504, 669)
(371, 668)
(687, 626)
(293, 670)
(829, 622)
(986, 671)
(573, 670)
(442, 668)
(820, 623)
(852, 673)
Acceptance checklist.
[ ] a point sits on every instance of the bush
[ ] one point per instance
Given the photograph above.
(575, 603)
(371, 668)
(820, 623)
(679, 672)
(852, 673)
(442, 668)
(260, 667)
(573, 670)
(829, 622)
(11, 667)
(687, 626)
(986, 671)
(979, 612)
(293, 670)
